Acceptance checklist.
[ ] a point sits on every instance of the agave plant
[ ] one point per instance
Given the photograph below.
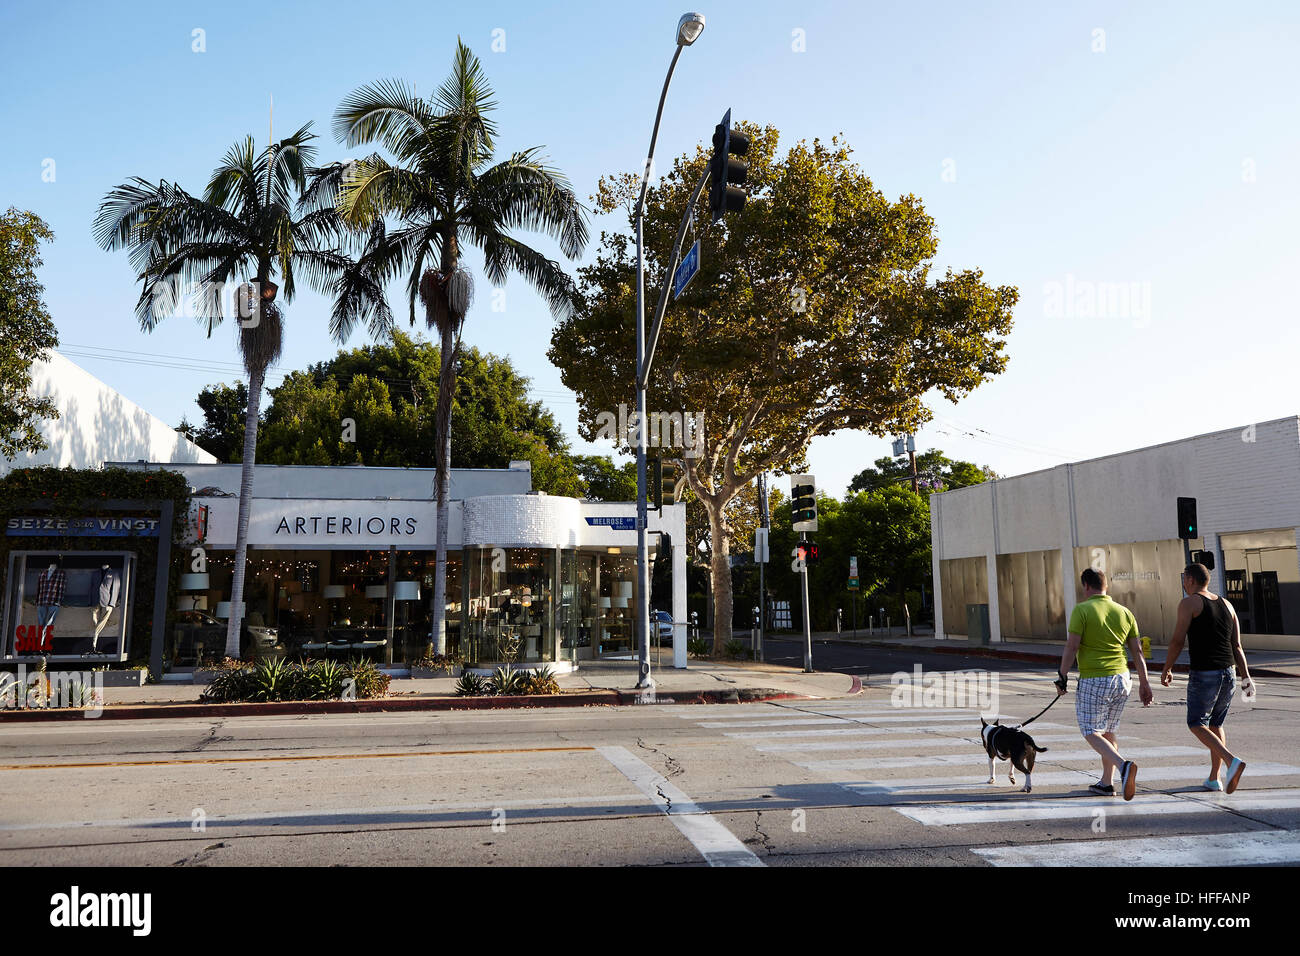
(507, 682)
(445, 192)
(471, 685)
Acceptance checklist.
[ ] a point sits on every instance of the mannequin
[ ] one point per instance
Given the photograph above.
(49, 593)
(107, 593)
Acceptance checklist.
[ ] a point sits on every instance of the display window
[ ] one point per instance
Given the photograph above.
(69, 605)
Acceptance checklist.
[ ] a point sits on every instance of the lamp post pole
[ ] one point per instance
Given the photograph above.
(689, 28)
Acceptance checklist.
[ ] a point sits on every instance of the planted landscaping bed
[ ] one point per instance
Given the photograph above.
(280, 680)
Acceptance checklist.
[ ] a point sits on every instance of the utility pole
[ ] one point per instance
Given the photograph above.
(762, 567)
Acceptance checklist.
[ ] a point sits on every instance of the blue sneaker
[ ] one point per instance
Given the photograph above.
(1234, 774)
(1212, 783)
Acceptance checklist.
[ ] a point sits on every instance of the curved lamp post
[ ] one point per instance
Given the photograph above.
(689, 28)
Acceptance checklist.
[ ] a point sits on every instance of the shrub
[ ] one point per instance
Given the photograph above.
(369, 680)
(471, 685)
(541, 681)
(435, 662)
(698, 647)
(737, 649)
(507, 682)
(279, 680)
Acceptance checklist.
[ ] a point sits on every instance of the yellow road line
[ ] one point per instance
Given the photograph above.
(169, 763)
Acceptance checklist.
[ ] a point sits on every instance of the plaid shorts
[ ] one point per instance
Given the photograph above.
(1099, 702)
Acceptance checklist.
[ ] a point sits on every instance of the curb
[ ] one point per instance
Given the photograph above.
(606, 698)
(1033, 657)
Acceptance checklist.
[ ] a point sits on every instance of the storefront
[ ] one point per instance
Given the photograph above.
(535, 578)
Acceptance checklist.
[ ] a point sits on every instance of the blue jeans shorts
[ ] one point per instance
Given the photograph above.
(1208, 695)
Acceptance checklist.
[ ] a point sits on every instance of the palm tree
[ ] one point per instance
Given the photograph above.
(445, 194)
(244, 231)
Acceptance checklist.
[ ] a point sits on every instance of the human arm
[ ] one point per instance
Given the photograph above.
(1243, 672)
(1068, 654)
(1183, 622)
(1135, 653)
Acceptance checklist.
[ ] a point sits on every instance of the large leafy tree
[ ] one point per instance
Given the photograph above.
(934, 471)
(222, 432)
(26, 330)
(445, 193)
(814, 311)
(265, 215)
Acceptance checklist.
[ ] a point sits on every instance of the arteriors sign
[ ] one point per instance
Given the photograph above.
(346, 525)
(317, 522)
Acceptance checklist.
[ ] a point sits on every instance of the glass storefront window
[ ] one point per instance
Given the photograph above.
(616, 605)
(511, 605)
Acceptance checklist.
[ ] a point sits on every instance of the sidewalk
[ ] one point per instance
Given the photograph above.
(1270, 664)
(598, 683)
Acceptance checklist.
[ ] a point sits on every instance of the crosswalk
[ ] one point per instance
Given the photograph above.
(927, 765)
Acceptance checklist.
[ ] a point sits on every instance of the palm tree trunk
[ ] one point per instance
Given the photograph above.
(245, 506)
(442, 459)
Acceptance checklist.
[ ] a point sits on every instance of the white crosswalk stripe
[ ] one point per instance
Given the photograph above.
(1006, 811)
(894, 741)
(965, 757)
(1188, 774)
(1213, 849)
(868, 732)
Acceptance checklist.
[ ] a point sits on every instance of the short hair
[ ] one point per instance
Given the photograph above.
(1198, 573)
(1094, 579)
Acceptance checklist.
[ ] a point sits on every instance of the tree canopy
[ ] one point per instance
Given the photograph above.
(814, 311)
(25, 328)
(934, 472)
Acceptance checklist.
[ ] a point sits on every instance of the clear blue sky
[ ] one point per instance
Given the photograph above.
(1165, 163)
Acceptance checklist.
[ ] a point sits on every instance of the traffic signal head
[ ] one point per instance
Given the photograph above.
(813, 552)
(1187, 527)
(803, 502)
(726, 174)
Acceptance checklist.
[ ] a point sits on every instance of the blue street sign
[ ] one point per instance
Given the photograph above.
(686, 271)
(618, 523)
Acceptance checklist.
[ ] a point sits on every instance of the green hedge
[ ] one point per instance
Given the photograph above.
(73, 492)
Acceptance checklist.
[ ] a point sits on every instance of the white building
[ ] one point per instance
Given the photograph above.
(96, 424)
(1019, 544)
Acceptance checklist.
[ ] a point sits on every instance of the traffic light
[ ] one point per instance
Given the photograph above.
(813, 552)
(1187, 518)
(803, 502)
(724, 195)
(1204, 558)
(658, 485)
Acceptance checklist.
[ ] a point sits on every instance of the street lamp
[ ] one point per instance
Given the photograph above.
(689, 28)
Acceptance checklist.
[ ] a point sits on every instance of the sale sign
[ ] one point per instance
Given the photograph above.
(33, 639)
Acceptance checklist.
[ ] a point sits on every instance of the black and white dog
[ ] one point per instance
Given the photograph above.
(1013, 744)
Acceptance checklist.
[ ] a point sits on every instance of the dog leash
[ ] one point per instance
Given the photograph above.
(1041, 712)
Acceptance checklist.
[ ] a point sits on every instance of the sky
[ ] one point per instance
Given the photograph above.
(1130, 168)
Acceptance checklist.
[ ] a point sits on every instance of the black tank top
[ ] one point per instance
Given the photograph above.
(1209, 638)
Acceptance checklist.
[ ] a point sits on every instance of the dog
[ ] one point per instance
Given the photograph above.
(1013, 744)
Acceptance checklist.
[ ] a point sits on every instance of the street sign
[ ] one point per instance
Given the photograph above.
(690, 265)
(853, 584)
(853, 566)
(613, 523)
(760, 546)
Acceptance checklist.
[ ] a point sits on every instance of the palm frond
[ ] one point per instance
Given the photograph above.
(523, 192)
(503, 254)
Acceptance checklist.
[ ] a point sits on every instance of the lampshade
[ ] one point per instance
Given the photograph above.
(223, 610)
(624, 590)
(192, 602)
(377, 590)
(334, 591)
(604, 603)
(407, 590)
(620, 602)
(194, 582)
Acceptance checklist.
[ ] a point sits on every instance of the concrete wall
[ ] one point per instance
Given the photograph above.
(97, 424)
(1244, 479)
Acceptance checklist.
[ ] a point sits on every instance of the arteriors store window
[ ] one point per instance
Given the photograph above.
(68, 604)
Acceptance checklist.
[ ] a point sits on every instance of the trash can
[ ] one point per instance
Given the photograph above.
(977, 624)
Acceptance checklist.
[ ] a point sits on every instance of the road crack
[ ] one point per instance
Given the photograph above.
(760, 836)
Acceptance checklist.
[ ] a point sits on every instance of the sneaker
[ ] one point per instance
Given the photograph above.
(1128, 775)
(1102, 789)
(1234, 774)
(1212, 783)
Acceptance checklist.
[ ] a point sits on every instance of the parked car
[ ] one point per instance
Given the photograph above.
(200, 627)
(664, 625)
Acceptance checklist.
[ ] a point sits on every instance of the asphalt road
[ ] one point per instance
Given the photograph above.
(846, 782)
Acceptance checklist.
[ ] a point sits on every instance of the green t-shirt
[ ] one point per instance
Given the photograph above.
(1104, 627)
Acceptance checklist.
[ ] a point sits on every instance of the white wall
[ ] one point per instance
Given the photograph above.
(97, 424)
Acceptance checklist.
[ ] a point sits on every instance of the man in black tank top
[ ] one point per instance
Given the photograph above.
(1209, 625)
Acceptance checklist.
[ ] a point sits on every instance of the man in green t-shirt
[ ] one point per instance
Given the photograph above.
(1099, 629)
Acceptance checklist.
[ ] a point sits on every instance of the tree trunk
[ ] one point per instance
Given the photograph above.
(442, 460)
(720, 567)
(245, 505)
